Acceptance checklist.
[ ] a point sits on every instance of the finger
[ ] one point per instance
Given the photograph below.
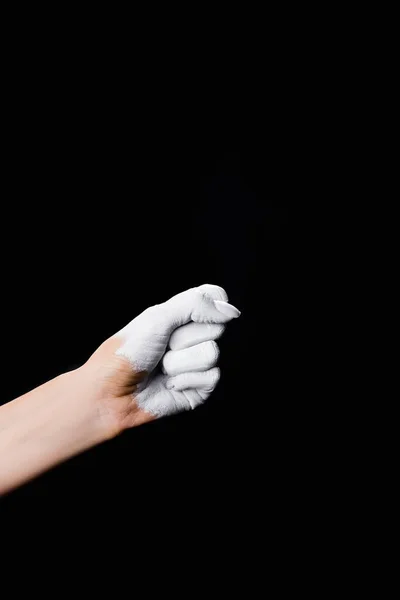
(215, 291)
(198, 306)
(193, 397)
(195, 333)
(156, 399)
(202, 357)
(204, 380)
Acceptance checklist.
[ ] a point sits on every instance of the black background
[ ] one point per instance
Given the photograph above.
(101, 235)
(131, 171)
(102, 224)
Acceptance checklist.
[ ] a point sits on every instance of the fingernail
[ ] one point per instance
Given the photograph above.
(169, 384)
(227, 309)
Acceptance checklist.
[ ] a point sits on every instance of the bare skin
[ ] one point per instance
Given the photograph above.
(117, 383)
(68, 415)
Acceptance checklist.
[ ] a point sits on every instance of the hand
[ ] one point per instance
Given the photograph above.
(129, 380)
(138, 380)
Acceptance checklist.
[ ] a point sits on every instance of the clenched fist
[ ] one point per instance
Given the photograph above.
(164, 361)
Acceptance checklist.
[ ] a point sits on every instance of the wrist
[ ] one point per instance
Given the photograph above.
(91, 404)
(112, 384)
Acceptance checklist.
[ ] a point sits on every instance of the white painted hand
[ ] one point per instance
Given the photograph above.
(153, 381)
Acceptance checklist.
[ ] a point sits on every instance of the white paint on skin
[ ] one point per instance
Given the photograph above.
(195, 333)
(189, 323)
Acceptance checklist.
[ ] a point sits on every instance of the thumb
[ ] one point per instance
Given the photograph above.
(146, 337)
(198, 305)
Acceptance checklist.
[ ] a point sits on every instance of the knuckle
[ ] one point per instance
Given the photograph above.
(203, 297)
(216, 291)
(212, 352)
(197, 300)
(202, 294)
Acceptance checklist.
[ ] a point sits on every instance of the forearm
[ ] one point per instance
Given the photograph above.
(47, 426)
